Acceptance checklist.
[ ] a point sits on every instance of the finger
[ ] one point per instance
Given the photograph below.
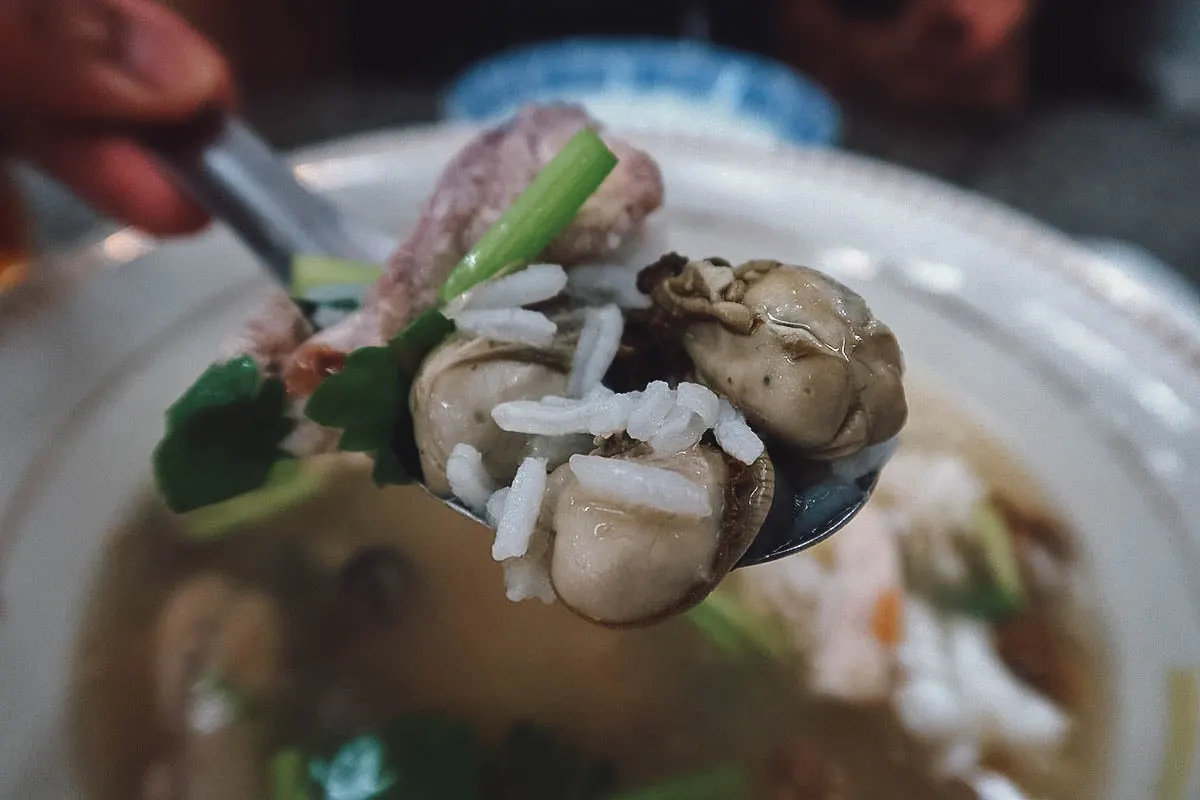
(118, 179)
(105, 59)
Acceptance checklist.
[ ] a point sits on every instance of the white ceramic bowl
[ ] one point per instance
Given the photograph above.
(1090, 376)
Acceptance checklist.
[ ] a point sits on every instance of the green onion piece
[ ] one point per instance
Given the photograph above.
(289, 483)
(1183, 717)
(314, 271)
(722, 783)
(995, 540)
(289, 779)
(539, 214)
(735, 630)
(988, 603)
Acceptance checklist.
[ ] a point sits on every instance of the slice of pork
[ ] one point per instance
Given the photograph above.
(473, 191)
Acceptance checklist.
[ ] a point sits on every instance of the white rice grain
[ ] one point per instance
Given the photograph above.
(609, 414)
(651, 411)
(528, 577)
(559, 402)
(633, 485)
(521, 510)
(534, 284)
(495, 506)
(541, 418)
(514, 325)
(735, 437)
(1014, 714)
(994, 786)
(597, 347)
(211, 708)
(469, 481)
(700, 400)
(598, 284)
(959, 759)
(936, 492)
(681, 430)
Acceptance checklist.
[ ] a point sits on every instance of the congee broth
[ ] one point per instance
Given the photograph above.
(358, 643)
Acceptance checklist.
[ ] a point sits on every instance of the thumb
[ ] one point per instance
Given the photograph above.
(118, 60)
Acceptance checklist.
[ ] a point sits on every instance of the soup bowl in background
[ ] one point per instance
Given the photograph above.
(1091, 378)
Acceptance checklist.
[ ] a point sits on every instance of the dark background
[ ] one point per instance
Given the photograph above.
(1097, 153)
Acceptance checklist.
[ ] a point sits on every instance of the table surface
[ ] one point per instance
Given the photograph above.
(1091, 170)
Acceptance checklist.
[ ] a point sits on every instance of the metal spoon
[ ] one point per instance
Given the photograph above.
(241, 181)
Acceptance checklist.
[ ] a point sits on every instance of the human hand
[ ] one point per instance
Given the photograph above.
(74, 72)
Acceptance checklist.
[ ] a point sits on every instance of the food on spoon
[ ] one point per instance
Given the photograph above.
(799, 353)
(230, 428)
(672, 526)
(502, 377)
(614, 536)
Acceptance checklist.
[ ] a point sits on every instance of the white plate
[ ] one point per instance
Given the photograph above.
(1092, 377)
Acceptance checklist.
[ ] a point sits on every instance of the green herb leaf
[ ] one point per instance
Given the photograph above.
(367, 398)
(311, 272)
(538, 215)
(222, 438)
(721, 783)
(361, 397)
(419, 756)
(288, 778)
(221, 385)
(997, 593)
(422, 335)
(989, 603)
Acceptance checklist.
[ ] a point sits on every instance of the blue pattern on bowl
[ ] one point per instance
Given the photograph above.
(766, 94)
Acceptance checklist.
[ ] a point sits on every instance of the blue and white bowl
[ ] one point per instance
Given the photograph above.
(659, 85)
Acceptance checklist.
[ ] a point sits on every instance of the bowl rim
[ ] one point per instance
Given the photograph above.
(1172, 327)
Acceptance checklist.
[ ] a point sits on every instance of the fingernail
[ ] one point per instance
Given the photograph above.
(82, 25)
(164, 55)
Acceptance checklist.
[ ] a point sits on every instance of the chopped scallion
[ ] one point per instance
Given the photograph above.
(311, 272)
(289, 778)
(995, 540)
(735, 630)
(538, 215)
(289, 482)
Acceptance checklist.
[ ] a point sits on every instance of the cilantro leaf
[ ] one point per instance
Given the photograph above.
(368, 399)
(432, 757)
(419, 756)
(222, 437)
(360, 398)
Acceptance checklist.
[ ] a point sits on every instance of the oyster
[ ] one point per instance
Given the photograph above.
(799, 353)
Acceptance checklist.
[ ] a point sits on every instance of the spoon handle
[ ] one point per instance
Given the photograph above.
(240, 180)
